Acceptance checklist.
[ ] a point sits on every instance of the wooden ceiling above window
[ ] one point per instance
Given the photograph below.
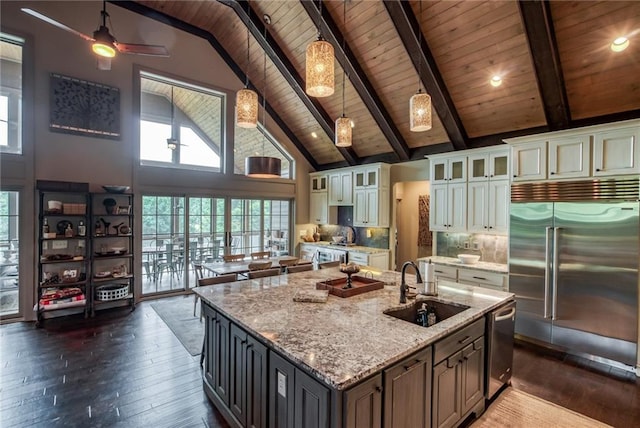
(553, 58)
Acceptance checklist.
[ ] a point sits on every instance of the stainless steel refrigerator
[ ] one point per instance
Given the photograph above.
(573, 266)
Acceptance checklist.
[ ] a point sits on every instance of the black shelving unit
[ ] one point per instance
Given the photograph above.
(112, 260)
(63, 255)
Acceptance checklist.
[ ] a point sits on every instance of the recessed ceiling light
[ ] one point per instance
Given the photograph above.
(314, 135)
(619, 44)
(496, 81)
(353, 125)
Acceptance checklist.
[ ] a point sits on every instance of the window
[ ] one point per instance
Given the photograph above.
(9, 240)
(193, 116)
(11, 94)
(258, 142)
(260, 225)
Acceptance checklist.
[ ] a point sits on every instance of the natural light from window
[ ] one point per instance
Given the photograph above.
(4, 120)
(194, 151)
(150, 134)
(11, 93)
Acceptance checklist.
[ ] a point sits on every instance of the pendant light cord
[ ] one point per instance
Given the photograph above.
(246, 84)
(264, 94)
(419, 48)
(344, 26)
(173, 125)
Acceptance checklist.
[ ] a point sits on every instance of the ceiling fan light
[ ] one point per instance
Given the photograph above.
(420, 112)
(262, 167)
(172, 143)
(103, 44)
(320, 69)
(343, 132)
(247, 108)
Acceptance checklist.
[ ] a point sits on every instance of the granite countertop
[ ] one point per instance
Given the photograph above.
(345, 339)
(357, 248)
(452, 261)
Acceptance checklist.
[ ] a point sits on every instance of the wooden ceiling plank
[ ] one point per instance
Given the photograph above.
(358, 79)
(288, 71)
(538, 24)
(408, 29)
(184, 26)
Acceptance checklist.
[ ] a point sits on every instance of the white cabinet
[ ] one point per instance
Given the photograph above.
(616, 152)
(448, 207)
(375, 175)
(489, 166)
(488, 206)
(318, 182)
(319, 210)
(371, 196)
(448, 169)
(378, 260)
(594, 151)
(469, 276)
(341, 188)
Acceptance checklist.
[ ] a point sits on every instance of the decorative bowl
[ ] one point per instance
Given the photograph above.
(468, 259)
(337, 239)
(349, 268)
(115, 189)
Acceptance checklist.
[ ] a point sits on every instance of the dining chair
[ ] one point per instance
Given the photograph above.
(261, 265)
(264, 273)
(167, 263)
(198, 269)
(284, 263)
(260, 255)
(233, 257)
(300, 268)
(327, 265)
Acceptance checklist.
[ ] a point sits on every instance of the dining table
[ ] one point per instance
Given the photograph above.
(242, 266)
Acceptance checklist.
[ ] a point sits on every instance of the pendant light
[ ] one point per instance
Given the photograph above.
(172, 143)
(319, 67)
(420, 103)
(263, 166)
(343, 124)
(246, 99)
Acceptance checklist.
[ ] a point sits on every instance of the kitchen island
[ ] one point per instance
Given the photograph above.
(323, 363)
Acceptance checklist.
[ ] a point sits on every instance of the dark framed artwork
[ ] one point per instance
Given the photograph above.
(84, 108)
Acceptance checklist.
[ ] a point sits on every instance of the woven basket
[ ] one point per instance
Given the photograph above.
(112, 292)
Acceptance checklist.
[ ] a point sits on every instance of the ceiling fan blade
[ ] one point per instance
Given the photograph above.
(55, 23)
(130, 48)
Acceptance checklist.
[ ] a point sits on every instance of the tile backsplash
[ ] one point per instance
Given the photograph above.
(490, 248)
(376, 237)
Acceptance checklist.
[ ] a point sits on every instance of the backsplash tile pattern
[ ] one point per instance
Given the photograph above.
(490, 248)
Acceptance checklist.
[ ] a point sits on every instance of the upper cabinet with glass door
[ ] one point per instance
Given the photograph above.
(450, 169)
(492, 165)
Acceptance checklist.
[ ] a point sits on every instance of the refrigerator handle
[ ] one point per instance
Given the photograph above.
(554, 300)
(546, 271)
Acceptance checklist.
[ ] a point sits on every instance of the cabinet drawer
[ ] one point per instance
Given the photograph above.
(358, 258)
(483, 278)
(457, 340)
(446, 271)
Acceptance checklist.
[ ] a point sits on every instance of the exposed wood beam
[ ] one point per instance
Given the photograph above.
(408, 29)
(199, 32)
(538, 24)
(358, 78)
(256, 26)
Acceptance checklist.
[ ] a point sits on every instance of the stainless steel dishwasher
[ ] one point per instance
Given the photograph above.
(500, 329)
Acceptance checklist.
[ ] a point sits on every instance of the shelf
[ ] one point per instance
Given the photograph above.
(53, 262)
(64, 305)
(60, 214)
(110, 279)
(112, 256)
(63, 238)
(128, 235)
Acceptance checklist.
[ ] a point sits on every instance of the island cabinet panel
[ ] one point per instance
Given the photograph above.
(220, 338)
(237, 368)
(257, 380)
(281, 392)
(458, 375)
(407, 392)
(363, 404)
(209, 358)
(311, 401)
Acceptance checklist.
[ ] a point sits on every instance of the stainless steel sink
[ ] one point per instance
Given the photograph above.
(443, 310)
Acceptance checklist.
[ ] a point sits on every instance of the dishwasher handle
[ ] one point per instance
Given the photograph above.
(505, 316)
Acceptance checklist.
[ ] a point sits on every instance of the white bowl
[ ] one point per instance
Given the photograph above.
(468, 259)
(337, 239)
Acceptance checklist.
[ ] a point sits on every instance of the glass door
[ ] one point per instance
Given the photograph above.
(259, 225)
(9, 254)
(207, 232)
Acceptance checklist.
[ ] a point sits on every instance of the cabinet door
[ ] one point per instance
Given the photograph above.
(407, 392)
(319, 208)
(318, 183)
(256, 378)
(498, 206)
(569, 157)
(360, 208)
(499, 165)
(311, 402)
(472, 374)
(379, 260)
(281, 392)
(457, 207)
(529, 161)
(372, 207)
(340, 188)
(346, 184)
(438, 217)
(616, 152)
(221, 358)
(363, 404)
(446, 392)
(478, 213)
(478, 167)
(449, 170)
(209, 355)
(237, 374)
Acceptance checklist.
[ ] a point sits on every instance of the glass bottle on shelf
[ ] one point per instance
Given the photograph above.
(68, 231)
(45, 226)
(82, 229)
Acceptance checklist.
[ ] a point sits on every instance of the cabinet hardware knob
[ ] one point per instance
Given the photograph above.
(479, 277)
(514, 175)
(378, 388)
(552, 173)
(490, 227)
(485, 227)
(486, 176)
(597, 169)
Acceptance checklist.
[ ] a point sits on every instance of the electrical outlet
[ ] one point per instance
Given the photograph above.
(58, 245)
(368, 233)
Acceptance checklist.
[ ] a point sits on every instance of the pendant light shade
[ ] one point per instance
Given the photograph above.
(246, 108)
(320, 68)
(343, 132)
(420, 111)
(262, 167)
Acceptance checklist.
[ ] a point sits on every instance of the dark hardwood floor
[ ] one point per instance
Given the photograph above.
(126, 368)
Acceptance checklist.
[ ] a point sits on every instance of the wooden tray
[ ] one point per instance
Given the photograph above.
(359, 285)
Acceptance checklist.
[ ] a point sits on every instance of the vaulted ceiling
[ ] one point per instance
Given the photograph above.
(554, 58)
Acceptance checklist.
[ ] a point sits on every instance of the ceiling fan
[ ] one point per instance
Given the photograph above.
(103, 44)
